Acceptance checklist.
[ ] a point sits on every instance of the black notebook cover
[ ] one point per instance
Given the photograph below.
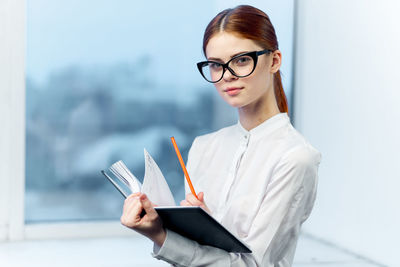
(196, 224)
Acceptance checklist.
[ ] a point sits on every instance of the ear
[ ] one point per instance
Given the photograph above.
(276, 61)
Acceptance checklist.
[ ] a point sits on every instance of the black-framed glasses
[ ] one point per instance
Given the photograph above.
(241, 65)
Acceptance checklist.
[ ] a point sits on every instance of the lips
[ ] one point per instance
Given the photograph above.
(232, 91)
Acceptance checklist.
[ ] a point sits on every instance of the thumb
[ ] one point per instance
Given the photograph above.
(147, 206)
(200, 196)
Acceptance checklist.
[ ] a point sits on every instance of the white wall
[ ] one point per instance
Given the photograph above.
(348, 106)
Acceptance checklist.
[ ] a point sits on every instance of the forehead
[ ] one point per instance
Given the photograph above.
(223, 45)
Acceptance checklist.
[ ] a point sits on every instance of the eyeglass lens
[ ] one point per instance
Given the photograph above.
(240, 67)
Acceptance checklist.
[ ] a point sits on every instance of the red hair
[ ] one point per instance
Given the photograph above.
(250, 23)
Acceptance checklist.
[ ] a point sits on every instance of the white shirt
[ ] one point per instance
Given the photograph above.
(260, 184)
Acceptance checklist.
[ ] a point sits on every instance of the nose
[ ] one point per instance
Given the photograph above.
(228, 76)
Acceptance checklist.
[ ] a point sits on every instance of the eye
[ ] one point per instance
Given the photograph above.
(214, 66)
(242, 61)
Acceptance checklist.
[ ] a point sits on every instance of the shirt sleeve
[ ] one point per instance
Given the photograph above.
(181, 251)
(288, 201)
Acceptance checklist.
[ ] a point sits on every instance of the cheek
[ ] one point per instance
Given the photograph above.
(263, 72)
(218, 87)
(263, 80)
(258, 83)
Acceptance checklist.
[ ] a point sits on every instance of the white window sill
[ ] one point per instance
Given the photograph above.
(96, 229)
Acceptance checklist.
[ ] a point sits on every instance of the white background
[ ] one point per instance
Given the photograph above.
(348, 106)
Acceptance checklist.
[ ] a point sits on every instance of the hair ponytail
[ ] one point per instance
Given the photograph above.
(280, 96)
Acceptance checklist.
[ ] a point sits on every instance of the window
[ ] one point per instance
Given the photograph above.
(103, 81)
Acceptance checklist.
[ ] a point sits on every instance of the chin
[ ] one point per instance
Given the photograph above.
(234, 104)
(233, 101)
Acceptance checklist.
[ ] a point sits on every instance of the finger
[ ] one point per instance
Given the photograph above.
(130, 216)
(185, 203)
(131, 204)
(148, 207)
(200, 196)
(134, 195)
(193, 200)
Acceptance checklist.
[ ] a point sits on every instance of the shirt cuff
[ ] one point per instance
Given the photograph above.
(176, 249)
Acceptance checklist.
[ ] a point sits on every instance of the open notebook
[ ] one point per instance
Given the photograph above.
(191, 222)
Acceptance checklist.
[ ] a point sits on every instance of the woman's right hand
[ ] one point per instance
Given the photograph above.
(191, 201)
(150, 224)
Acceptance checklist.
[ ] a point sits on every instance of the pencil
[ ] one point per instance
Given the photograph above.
(183, 166)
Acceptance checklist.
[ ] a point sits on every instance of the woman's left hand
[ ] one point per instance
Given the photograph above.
(198, 201)
(150, 225)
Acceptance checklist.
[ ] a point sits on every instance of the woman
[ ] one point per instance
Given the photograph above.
(258, 177)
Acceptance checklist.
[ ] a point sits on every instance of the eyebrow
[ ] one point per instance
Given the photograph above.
(232, 56)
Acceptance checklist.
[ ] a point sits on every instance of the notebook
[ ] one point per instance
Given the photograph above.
(191, 222)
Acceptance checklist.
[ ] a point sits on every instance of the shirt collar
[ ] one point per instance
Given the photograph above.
(266, 127)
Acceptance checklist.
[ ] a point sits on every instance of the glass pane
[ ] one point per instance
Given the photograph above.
(106, 79)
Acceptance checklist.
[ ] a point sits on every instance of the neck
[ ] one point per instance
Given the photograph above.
(252, 115)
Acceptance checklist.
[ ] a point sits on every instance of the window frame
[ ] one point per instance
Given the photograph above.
(12, 118)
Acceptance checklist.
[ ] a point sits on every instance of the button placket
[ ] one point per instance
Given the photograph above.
(233, 170)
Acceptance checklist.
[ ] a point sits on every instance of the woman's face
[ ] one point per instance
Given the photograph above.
(251, 90)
